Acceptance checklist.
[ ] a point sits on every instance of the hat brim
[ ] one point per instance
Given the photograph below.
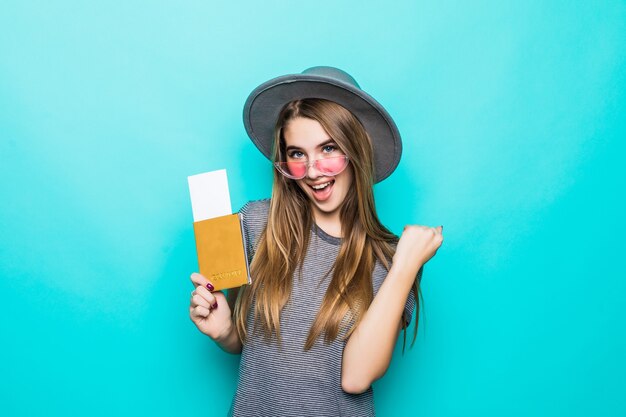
(264, 104)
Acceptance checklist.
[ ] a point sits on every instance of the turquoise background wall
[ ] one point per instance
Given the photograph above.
(513, 119)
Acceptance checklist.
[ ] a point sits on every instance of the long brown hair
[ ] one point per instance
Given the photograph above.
(283, 244)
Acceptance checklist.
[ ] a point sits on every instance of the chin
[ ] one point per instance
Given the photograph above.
(326, 208)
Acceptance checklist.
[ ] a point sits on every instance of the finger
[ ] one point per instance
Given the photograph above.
(207, 295)
(201, 281)
(200, 312)
(439, 229)
(198, 279)
(198, 300)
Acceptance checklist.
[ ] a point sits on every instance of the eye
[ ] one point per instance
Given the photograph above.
(295, 154)
(329, 148)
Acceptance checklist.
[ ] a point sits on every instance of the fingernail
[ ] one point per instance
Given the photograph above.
(214, 306)
(209, 286)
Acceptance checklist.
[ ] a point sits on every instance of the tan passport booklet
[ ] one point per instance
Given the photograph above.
(220, 238)
(222, 254)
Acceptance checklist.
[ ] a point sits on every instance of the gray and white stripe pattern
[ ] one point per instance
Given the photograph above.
(286, 380)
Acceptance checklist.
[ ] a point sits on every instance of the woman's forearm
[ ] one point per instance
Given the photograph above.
(367, 353)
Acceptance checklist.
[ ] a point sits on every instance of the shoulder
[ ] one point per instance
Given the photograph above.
(255, 210)
(254, 216)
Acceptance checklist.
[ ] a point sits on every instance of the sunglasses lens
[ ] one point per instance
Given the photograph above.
(294, 170)
(332, 166)
(298, 169)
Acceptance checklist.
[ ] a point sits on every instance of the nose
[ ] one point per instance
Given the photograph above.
(311, 171)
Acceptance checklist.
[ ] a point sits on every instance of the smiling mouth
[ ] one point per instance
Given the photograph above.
(322, 185)
(322, 191)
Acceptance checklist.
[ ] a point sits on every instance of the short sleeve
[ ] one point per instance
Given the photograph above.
(243, 213)
(253, 219)
(409, 307)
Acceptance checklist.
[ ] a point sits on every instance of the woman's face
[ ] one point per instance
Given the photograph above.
(306, 139)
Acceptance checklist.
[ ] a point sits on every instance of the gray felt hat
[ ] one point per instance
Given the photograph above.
(264, 104)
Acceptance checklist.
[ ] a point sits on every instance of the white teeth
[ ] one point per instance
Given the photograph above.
(320, 186)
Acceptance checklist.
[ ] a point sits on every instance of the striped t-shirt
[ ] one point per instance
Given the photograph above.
(289, 381)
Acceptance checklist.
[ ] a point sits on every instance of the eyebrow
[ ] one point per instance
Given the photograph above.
(327, 142)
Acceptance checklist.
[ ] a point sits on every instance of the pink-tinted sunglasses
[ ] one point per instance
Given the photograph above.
(296, 170)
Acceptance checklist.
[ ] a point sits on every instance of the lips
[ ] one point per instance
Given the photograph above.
(322, 190)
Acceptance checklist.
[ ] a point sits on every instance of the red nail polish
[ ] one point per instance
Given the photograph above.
(214, 306)
(209, 286)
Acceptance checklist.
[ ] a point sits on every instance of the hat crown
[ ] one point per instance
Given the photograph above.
(263, 106)
(332, 72)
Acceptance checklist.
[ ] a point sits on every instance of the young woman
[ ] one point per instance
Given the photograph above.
(331, 286)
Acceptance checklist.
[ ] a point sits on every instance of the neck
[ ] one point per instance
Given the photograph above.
(328, 222)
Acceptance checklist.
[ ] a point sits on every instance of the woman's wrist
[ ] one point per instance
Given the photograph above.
(405, 271)
(225, 333)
